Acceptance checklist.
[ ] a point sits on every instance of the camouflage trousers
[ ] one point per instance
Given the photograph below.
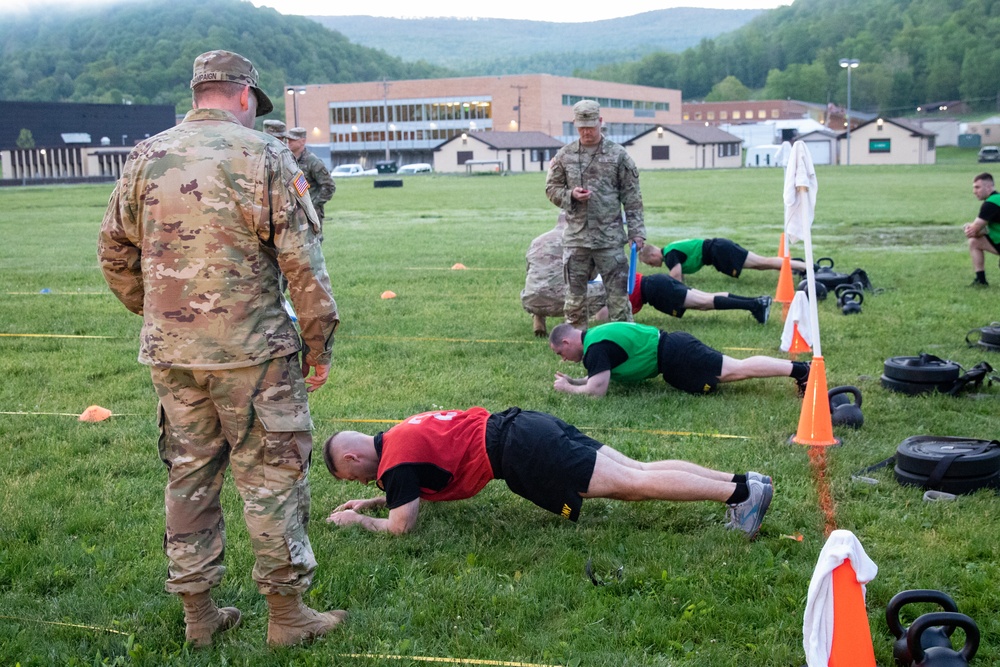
(256, 421)
(579, 264)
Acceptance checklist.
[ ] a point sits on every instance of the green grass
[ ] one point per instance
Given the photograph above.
(495, 577)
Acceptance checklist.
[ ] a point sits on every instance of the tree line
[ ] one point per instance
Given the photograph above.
(911, 52)
(142, 52)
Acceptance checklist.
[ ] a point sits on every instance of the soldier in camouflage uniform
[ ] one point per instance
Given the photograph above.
(321, 185)
(276, 128)
(593, 180)
(204, 219)
(544, 293)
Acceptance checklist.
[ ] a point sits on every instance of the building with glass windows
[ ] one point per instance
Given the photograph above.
(406, 120)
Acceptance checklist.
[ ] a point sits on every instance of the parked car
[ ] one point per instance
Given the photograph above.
(989, 154)
(416, 168)
(346, 170)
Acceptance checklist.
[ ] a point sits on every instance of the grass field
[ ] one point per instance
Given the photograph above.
(494, 577)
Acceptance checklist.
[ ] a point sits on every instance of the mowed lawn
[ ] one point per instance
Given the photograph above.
(495, 578)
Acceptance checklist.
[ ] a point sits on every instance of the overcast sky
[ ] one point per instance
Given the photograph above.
(510, 9)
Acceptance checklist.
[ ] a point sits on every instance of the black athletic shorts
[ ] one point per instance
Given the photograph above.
(688, 364)
(664, 293)
(727, 257)
(541, 458)
(996, 246)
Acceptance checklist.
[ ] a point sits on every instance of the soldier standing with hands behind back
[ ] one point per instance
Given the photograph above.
(204, 220)
(593, 180)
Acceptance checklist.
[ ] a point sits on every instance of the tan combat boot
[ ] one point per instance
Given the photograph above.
(538, 323)
(291, 622)
(203, 619)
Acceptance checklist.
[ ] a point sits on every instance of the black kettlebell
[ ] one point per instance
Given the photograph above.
(932, 636)
(821, 290)
(842, 411)
(942, 656)
(849, 299)
(824, 265)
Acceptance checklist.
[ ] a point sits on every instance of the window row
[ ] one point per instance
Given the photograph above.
(762, 114)
(615, 103)
(402, 113)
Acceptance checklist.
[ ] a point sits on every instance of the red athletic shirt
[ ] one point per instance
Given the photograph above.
(452, 441)
(635, 298)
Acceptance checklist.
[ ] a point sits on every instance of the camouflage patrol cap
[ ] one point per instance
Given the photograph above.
(229, 66)
(587, 113)
(297, 133)
(275, 128)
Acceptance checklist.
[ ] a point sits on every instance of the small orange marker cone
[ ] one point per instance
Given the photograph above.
(458, 267)
(388, 294)
(799, 344)
(94, 413)
(852, 637)
(815, 424)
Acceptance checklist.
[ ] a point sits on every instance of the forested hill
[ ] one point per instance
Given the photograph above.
(142, 52)
(911, 52)
(505, 46)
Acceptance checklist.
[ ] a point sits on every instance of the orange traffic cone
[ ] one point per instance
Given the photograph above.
(799, 344)
(815, 424)
(781, 245)
(852, 637)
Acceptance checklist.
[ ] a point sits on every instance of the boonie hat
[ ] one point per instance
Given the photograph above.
(275, 128)
(228, 66)
(297, 133)
(587, 113)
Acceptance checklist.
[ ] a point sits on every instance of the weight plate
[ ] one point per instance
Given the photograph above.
(990, 335)
(920, 458)
(950, 484)
(918, 369)
(913, 388)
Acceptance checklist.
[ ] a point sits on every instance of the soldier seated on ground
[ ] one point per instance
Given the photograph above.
(689, 255)
(451, 455)
(630, 352)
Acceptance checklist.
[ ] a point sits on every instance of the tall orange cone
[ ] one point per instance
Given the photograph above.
(785, 292)
(799, 344)
(852, 637)
(815, 423)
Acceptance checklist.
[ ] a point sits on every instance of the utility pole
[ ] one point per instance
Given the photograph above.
(385, 112)
(518, 107)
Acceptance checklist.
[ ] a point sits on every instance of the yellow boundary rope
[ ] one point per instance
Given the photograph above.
(450, 661)
(67, 625)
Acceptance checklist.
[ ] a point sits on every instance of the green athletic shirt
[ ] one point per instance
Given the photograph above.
(691, 248)
(990, 212)
(640, 342)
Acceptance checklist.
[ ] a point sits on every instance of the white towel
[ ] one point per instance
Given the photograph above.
(799, 312)
(817, 624)
(800, 207)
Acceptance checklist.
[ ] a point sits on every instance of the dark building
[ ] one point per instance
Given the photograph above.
(62, 124)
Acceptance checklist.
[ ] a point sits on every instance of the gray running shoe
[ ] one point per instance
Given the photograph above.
(762, 309)
(748, 515)
(760, 477)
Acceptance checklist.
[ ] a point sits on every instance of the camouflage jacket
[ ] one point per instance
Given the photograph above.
(545, 266)
(321, 185)
(613, 180)
(204, 219)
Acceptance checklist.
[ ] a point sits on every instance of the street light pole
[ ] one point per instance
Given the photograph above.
(295, 102)
(849, 64)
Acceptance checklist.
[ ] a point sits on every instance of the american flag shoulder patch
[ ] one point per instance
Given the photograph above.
(301, 185)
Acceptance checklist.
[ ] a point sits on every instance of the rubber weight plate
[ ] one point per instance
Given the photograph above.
(918, 369)
(913, 388)
(990, 336)
(922, 457)
(955, 485)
